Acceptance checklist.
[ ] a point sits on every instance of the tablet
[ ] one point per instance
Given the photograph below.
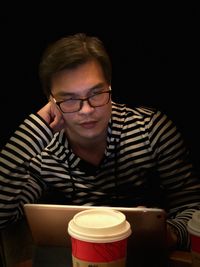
(48, 224)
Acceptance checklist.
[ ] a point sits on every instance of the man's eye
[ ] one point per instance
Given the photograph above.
(97, 92)
(70, 99)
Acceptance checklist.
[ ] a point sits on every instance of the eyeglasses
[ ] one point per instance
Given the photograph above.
(75, 104)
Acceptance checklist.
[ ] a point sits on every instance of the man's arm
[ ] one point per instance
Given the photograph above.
(18, 185)
(181, 185)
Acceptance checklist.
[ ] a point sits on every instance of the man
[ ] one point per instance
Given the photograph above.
(94, 151)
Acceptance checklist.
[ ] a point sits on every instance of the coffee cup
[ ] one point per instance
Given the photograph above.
(99, 238)
(194, 230)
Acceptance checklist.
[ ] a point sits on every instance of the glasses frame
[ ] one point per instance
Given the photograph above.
(58, 103)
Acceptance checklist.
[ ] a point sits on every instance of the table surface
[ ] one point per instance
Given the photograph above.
(177, 259)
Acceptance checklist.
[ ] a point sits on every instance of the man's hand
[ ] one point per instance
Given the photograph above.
(53, 116)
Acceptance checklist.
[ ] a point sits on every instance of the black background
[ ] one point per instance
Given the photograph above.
(154, 50)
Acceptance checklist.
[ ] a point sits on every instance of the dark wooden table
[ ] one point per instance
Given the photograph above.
(177, 259)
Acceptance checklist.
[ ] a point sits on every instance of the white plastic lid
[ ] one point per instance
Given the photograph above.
(194, 224)
(99, 226)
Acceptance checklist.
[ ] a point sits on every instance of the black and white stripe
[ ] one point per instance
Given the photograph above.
(145, 163)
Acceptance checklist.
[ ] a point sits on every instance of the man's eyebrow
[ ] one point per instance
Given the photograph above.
(64, 94)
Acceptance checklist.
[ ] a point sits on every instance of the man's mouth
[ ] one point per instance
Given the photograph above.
(88, 124)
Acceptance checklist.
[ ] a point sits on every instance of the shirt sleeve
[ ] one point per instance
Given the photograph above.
(179, 180)
(18, 183)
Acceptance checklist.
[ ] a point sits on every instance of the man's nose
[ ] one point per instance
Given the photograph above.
(86, 107)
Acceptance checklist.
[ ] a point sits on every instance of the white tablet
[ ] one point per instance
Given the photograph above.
(48, 224)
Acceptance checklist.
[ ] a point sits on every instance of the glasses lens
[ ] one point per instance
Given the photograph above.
(70, 105)
(99, 99)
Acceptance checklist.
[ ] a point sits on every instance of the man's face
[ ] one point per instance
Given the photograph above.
(89, 123)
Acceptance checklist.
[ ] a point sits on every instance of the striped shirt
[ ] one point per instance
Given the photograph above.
(145, 163)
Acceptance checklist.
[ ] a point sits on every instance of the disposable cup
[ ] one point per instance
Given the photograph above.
(194, 230)
(99, 238)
